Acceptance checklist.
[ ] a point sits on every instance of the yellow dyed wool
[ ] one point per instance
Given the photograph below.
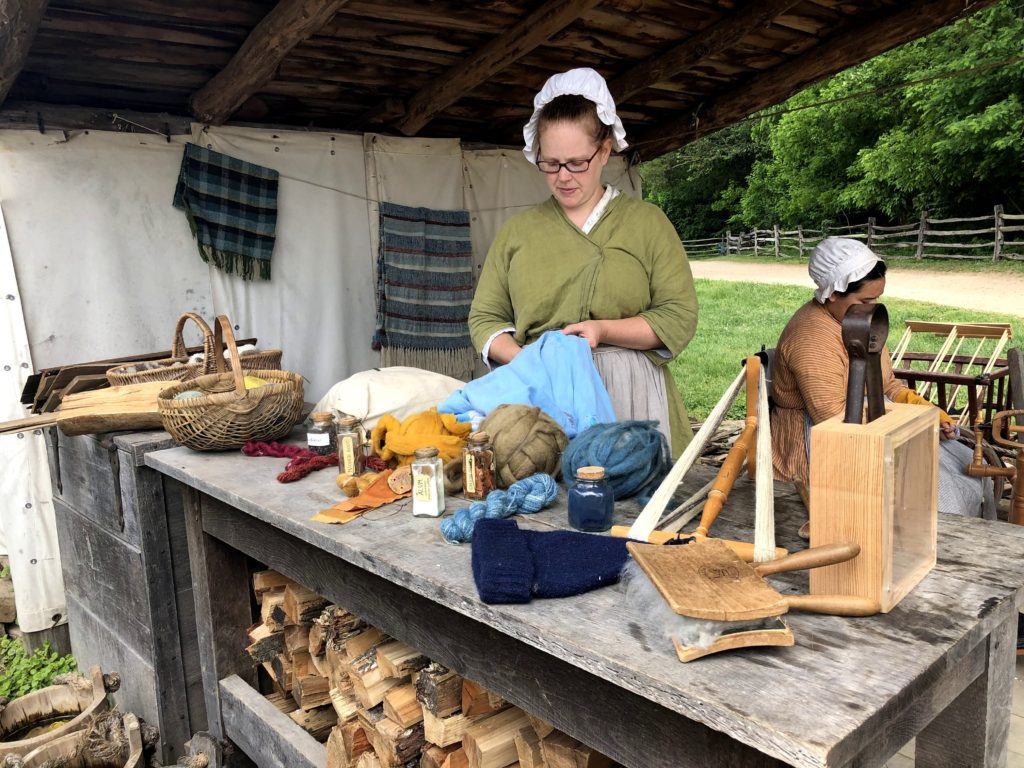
(399, 440)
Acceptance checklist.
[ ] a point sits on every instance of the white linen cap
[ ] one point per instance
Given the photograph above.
(836, 262)
(584, 82)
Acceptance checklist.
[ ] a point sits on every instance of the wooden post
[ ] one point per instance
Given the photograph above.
(871, 230)
(775, 239)
(755, 243)
(800, 240)
(997, 246)
(921, 230)
(728, 242)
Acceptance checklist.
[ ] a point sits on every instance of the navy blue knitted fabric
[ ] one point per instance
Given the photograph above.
(511, 565)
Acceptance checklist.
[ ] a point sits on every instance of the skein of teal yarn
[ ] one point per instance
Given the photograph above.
(531, 494)
(634, 454)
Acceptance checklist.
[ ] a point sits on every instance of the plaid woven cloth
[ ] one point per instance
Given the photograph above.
(231, 207)
(424, 289)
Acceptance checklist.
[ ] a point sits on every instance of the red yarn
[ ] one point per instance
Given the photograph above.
(376, 463)
(303, 461)
(278, 450)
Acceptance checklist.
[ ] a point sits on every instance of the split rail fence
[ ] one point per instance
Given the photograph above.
(991, 238)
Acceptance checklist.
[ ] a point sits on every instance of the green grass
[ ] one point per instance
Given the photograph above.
(930, 265)
(737, 318)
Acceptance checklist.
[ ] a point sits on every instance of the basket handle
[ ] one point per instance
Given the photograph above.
(222, 332)
(178, 344)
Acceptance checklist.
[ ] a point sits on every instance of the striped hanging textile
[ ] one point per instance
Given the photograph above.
(424, 289)
(231, 207)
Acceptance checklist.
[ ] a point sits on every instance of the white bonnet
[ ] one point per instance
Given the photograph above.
(836, 262)
(584, 82)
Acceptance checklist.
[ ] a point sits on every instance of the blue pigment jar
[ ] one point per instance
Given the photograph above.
(591, 501)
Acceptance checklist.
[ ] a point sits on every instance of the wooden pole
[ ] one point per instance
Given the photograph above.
(755, 243)
(775, 239)
(921, 230)
(871, 230)
(997, 246)
(800, 240)
(19, 22)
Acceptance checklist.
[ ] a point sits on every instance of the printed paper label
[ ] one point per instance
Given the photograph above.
(469, 473)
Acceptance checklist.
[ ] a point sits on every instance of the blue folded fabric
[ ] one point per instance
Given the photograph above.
(511, 565)
(556, 373)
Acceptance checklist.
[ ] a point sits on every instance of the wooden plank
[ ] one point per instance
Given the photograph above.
(526, 34)
(19, 22)
(289, 23)
(267, 735)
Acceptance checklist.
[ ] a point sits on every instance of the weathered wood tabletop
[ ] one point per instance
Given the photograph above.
(850, 692)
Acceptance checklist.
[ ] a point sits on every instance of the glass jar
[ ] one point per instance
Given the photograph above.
(320, 437)
(477, 466)
(351, 460)
(427, 483)
(591, 502)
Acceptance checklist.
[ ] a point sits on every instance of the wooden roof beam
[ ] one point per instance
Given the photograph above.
(19, 22)
(517, 41)
(254, 65)
(911, 20)
(715, 38)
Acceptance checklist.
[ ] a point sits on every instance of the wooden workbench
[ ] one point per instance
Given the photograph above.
(851, 692)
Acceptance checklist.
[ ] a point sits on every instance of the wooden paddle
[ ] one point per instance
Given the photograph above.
(708, 580)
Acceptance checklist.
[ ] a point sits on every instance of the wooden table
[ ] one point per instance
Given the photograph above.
(851, 692)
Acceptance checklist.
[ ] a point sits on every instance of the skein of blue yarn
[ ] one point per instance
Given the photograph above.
(531, 494)
(634, 455)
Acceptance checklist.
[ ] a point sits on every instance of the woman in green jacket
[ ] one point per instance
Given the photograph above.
(590, 261)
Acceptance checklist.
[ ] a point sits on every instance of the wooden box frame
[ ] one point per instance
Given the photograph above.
(876, 484)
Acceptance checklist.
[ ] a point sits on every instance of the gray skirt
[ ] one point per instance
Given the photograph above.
(635, 385)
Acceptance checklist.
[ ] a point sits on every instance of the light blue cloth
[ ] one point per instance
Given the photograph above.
(556, 373)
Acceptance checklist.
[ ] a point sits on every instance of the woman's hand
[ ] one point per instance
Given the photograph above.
(591, 330)
(948, 431)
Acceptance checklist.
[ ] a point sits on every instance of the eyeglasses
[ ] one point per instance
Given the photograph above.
(572, 166)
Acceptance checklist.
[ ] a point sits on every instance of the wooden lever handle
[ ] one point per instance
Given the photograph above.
(834, 605)
(815, 557)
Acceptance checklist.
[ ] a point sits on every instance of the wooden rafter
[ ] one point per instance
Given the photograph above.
(912, 19)
(19, 21)
(533, 30)
(717, 37)
(253, 66)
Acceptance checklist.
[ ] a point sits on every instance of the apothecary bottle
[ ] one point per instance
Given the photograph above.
(427, 483)
(320, 437)
(350, 451)
(477, 466)
(591, 502)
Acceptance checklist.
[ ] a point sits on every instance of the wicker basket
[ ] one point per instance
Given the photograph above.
(173, 368)
(227, 415)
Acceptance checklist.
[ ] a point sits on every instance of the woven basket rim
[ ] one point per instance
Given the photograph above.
(286, 381)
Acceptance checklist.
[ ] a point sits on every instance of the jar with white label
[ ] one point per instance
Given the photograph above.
(320, 437)
(427, 483)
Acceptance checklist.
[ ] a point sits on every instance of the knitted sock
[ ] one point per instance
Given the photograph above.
(570, 563)
(502, 563)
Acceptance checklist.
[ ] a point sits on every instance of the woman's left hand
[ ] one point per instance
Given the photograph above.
(948, 431)
(591, 330)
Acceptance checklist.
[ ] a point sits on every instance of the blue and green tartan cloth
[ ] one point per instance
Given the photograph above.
(231, 207)
(424, 280)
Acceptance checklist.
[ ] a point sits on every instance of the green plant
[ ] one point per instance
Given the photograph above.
(22, 672)
(5, 571)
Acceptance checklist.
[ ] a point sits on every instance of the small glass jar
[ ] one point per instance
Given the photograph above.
(427, 483)
(320, 437)
(591, 502)
(477, 466)
(350, 451)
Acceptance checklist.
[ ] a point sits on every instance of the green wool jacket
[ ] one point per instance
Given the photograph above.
(543, 273)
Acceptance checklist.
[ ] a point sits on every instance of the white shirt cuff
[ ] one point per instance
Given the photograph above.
(485, 354)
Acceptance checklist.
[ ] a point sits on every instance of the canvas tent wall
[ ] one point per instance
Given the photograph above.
(105, 265)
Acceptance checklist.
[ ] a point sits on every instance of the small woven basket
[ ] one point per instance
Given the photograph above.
(173, 368)
(225, 414)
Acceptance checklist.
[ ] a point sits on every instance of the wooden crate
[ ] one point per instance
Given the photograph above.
(876, 485)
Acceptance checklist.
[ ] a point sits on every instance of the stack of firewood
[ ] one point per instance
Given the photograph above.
(380, 703)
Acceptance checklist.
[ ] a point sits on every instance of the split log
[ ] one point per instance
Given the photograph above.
(296, 639)
(282, 671)
(264, 643)
(398, 659)
(401, 706)
(311, 692)
(368, 680)
(272, 608)
(477, 700)
(541, 727)
(528, 749)
(316, 722)
(491, 743)
(268, 666)
(563, 751)
(363, 641)
(264, 581)
(317, 637)
(395, 745)
(434, 756)
(318, 665)
(337, 663)
(346, 705)
(456, 759)
(368, 760)
(19, 22)
(282, 701)
(439, 690)
(369, 717)
(301, 604)
(302, 664)
(445, 731)
(346, 744)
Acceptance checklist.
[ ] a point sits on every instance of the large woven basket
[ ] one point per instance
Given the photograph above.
(226, 414)
(173, 368)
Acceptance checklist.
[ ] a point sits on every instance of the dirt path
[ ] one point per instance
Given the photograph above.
(998, 292)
